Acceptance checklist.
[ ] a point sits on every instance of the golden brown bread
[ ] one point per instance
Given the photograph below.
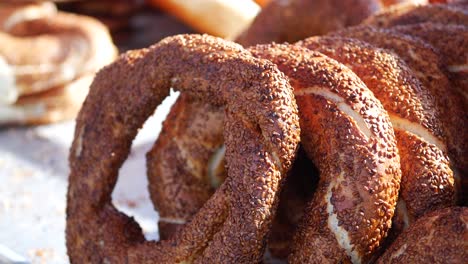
(348, 136)
(179, 174)
(451, 41)
(406, 14)
(331, 137)
(293, 20)
(438, 237)
(427, 179)
(426, 146)
(425, 62)
(223, 18)
(261, 137)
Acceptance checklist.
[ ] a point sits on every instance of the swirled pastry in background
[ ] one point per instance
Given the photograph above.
(52, 105)
(12, 12)
(48, 50)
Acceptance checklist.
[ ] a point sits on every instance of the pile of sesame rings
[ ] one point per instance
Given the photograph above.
(378, 177)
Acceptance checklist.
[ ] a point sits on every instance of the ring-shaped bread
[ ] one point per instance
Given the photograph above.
(427, 180)
(451, 43)
(261, 135)
(426, 62)
(182, 164)
(347, 134)
(438, 237)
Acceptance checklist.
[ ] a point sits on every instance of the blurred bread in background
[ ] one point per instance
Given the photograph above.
(47, 61)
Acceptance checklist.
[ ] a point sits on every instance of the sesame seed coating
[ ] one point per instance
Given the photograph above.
(367, 140)
(413, 14)
(426, 64)
(438, 237)
(261, 137)
(177, 163)
(427, 179)
(348, 135)
(451, 44)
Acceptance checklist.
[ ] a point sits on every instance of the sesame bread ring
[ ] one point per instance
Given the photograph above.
(425, 63)
(427, 179)
(438, 237)
(345, 129)
(413, 14)
(70, 46)
(186, 165)
(53, 105)
(348, 136)
(451, 41)
(293, 20)
(181, 164)
(261, 137)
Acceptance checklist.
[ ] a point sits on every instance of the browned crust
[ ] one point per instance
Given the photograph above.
(414, 14)
(178, 177)
(451, 41)
(54, 105)
(386, 75)
(438, 237)
(308, 75)
(53, 50)
(294, 20)
(177, 163)
(427, 180)
(424, 61)
(357, 158)
(261, 136)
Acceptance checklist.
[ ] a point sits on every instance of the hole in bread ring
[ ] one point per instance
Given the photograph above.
(261, 136)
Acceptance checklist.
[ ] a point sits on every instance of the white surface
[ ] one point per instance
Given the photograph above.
(33, 182)
(8, 88)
